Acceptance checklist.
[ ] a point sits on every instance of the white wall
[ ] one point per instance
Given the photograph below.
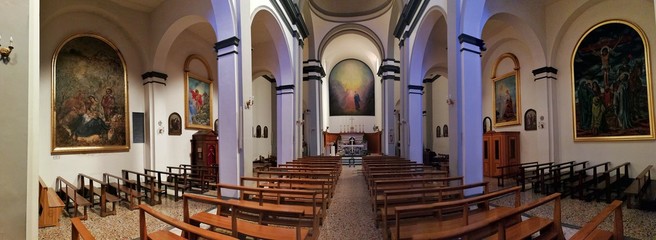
(263, 115)
(440, 114)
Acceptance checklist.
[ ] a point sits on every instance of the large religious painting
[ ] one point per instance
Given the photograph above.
(611, 84)
(351, 89)
(89, 97)
(506, 93)
(198, 102)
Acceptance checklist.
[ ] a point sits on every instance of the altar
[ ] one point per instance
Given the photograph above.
(352, 143)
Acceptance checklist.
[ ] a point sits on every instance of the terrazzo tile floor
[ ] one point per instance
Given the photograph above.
(350, 215)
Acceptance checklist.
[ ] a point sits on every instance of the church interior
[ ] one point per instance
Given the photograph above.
(327, 119)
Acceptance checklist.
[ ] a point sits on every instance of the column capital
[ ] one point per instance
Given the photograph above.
(285, 89)
(154, 77)
(471, 40)
(415, 89)
(545, 72)
(312, 70)
(227, 46)
(431, 80)
(389, 69)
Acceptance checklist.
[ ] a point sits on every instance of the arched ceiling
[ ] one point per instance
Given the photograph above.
(341, 48)
(349, 10)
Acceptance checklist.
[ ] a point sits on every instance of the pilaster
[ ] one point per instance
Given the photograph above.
(153, 83)
(389, 72)
(313, 73)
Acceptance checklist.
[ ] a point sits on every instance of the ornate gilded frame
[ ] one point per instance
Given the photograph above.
(89, 97)
(609, 56)
(198, 96)
(507, 94)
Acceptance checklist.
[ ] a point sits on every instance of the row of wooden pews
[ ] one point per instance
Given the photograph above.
(284, 202)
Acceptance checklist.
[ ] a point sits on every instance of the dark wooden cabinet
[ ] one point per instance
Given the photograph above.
(204, 148)
(500, 149)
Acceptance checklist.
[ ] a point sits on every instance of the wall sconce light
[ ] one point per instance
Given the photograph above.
(300, 121)
(449, 100)
(250, 103)
(5, 51)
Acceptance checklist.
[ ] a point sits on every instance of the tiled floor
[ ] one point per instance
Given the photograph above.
(350, 216)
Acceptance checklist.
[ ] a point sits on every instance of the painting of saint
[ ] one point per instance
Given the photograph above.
(351, 89)
(198, 96)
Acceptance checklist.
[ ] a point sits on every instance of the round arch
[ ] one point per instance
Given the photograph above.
(280, 42)
(354, 29)
(169, 36)
(527, 34)
(419, 43)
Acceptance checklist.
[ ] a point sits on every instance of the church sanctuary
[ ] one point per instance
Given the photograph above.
(327, 119)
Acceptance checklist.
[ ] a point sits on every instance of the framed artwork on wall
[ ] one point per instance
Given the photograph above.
(611, 84)
(507, 97)
(175, 124)
(351, 89)
(487, 124)
(530, 120)
(198, 102)
(89, 105)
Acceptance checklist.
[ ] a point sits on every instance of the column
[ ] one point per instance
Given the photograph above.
(285, 123)
(466, 131)
(230, 167)
(429, 128)
(415, 124)
(313, 74)
(389, 72)
(153, 82)
(544, 78)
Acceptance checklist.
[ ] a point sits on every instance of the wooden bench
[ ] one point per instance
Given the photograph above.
(506, 228)
(378, 188)
(145, 184)
(546, 175)
(92, 188)
(587, 181)
(50, 206)
(590, 230)
(560, 177)
(165, 234)
(511, 171)
(404, 175)
(327, 176)
(165, 180)
(68, 192)
(286, 223)
(529, 174)
(638, 187)
(78, 230)
(198, 177)
(405, 228)
(407, 197)
(125, 189)
(614, 181)
(303, 200)
(321, 186)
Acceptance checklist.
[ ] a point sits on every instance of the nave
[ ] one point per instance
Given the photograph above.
(350, 215)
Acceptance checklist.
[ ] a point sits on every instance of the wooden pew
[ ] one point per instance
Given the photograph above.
(506, 226)
(68, 192)
(560, 177)
(229, 217)
(92, 187)
(590, 230)
(546, 175)
(613, 181)
(78, 230)
(303, 200)
(145, 184)
(50, 206)
(165, 180)
(405, 228)
(124, 189)
(327, 176)
(166, 234)
(397, 198)
(637, 188)
(403, 175)
(321, 186)
(377, 190)
(529, 174)
(198, 177)
(587, 181)
(511, 171)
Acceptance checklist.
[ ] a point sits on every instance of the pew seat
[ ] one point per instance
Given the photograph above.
(50, 206)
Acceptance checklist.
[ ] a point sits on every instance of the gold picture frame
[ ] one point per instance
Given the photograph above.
(507, 95)
(89, 97)
(198, 102)
(611, 84)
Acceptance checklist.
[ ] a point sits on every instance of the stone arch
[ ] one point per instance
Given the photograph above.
(284, 71)
(419, 43)
(166, 41)
(354, 29)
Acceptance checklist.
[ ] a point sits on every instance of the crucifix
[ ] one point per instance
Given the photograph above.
(351, 124)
